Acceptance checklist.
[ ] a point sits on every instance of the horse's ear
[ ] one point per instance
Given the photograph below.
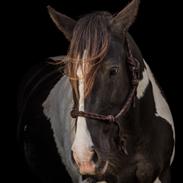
(63, 22)
(125, 18)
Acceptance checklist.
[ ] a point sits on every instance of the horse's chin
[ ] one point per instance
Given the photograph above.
(102, 169)
(99, 179)
(94, 179)
(102, 176)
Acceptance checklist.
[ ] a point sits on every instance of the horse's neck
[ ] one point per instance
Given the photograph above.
(144, 90)
(151, 106)
(156, 97)
(57, 109)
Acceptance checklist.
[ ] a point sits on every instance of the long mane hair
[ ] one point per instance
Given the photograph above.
(91, 36)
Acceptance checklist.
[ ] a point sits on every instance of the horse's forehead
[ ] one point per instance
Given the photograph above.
(116, 48)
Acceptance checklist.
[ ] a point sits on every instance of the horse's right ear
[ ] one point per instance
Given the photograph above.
(63, 22)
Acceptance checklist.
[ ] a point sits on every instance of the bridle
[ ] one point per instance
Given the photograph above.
(134, 68)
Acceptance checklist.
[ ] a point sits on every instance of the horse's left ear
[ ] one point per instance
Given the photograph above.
(125, 18)
(64, 23)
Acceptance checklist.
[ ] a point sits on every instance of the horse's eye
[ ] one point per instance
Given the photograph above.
(113, 71)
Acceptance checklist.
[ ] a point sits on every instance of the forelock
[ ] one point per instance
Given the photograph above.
(91, 34)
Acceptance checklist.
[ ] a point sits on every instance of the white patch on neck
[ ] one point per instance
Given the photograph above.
(82, 141)
(157, 180)
(142, 85)
(162, 108)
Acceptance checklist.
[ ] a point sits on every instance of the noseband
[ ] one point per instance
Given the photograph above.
(134, 67)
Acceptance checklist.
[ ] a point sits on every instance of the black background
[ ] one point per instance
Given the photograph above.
(32, 37)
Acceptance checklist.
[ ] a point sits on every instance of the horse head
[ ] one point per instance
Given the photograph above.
(97, 66)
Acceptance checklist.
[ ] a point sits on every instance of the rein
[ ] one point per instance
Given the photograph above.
(134, 67)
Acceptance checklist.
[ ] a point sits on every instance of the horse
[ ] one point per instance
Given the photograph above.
(98, 112)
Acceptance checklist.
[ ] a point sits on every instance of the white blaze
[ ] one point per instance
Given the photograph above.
(162, 108)
(82, 142)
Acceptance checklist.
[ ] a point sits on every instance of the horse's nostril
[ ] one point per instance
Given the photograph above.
(72, 157)
(92, 148)
(88, 156)
(95, 157)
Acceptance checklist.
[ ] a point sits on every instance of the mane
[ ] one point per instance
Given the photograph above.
(88, 47)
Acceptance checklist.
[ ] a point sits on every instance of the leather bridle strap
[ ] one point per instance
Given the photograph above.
(134, 67)
(75, 114)
(109, 118)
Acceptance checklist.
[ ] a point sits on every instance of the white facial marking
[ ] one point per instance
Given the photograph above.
(82, 142)
(157, 180)
(162, 108)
